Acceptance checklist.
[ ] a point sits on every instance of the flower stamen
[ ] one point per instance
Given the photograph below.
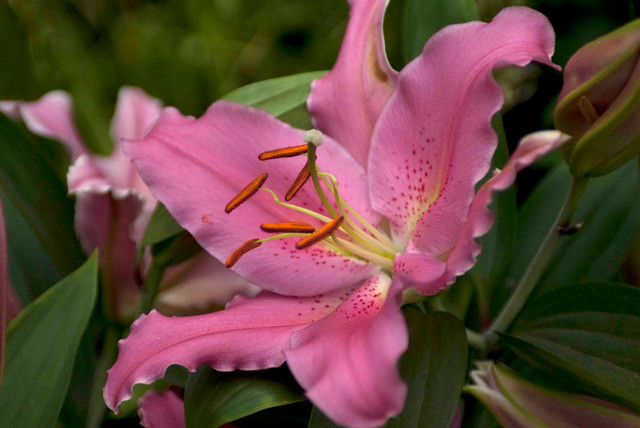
(285, 152)
(242, 250)
(290, 227)
(300, 180)
(322, 233)
(246, 193)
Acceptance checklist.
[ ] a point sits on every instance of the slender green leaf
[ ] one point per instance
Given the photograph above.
(319, 420)
(41, 349)
(587, 334)
(283, 97)
(215, 398)
(422, 18)
(16, 79)
(434, 368)
(30, 184)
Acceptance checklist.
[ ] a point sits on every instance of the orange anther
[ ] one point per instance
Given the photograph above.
(302, 178)
(324, 232)
(286, 152)
(246, 193)
(242, 250)
(288, 227)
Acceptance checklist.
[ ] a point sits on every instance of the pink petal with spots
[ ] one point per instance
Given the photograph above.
(347, 361)
(195, 167)
(346, 103)
(161, 410)
(105, 222)
(250, 334)
(480, 218)
(434, 139)
(419, 271)
(52, 116)
(199, 285)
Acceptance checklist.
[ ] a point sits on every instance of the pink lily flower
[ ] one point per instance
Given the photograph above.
(113, 204)
(393, 207)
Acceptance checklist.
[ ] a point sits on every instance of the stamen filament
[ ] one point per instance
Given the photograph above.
(281, 236)
(242, 250)
(246, 193)
(290, 226)
(286, 152)
(313, 214)
(381, 243)
(385, 262)
(322, 233)
(300, 180)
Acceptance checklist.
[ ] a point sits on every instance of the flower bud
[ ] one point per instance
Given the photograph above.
(518, 403)
(599, 105)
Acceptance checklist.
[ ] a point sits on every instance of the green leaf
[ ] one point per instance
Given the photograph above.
(16, 79)
(422, 18)
(609, 212)
(30, 184)
(214, 398)
(283, 97)
(434, 368)
(160, 227)
(587, 334)
(41, 349)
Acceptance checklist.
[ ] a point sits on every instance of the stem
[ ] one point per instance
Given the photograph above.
(105, 360)
(476, 340)
(151, 283)
(540, 261)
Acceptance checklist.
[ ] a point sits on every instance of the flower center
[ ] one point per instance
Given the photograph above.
(345, 231)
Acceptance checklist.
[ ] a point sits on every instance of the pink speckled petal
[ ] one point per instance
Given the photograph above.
(250, 334)
(135, 113)
(434, 139)
(346, 103)
(480, 218)
(161, 410)
(347, 361)
(104, 222)
(52, 116)
(419, 271)
(198, 285)
(195, 167)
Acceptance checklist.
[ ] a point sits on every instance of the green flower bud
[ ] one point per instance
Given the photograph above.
(518, 403)
(599, 105)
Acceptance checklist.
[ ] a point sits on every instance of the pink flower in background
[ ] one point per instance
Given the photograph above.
(113, 205)
(394, 206)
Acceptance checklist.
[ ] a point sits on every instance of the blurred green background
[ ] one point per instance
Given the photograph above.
(191, 52)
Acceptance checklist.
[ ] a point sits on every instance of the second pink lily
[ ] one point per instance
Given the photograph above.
(392, 206)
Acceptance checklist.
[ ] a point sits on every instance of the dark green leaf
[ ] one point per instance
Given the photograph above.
(215, 398)
(434, 368)
(16, 80)
(422, 18)
(41, 349)
(161, 226)
(610, 213)
(284, 97)
(29, 182)
(588, 334)
(319, 420)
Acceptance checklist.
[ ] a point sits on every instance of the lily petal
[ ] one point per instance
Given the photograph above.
(347, 361)
(434, 139)
(419, 271)
(250, 334)
(347, 101)
(198, 285)
(52, 116)
(480, 219)
(161, 410)
(195, 167)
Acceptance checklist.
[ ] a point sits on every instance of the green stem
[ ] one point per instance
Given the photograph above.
(539, 263)
(105, 360)
(151, 283)
(476, 340)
